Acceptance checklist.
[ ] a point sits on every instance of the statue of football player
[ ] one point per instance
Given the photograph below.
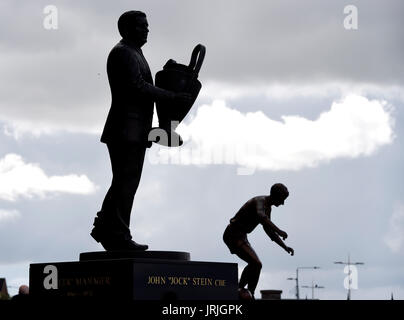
(255, 211)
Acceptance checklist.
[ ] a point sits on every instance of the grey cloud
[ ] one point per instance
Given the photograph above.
(275, 41)
(52, 78)
(57, 77)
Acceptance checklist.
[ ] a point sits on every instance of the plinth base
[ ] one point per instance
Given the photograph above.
(147, 275)
(110, 255)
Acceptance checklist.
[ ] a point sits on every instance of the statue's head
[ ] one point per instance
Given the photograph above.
(278, 194)
(132, 25)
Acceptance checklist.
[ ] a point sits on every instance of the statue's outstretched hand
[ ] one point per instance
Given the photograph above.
(290, 250)
(283, 234)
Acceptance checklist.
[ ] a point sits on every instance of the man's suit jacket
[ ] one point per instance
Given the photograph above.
(133, 95)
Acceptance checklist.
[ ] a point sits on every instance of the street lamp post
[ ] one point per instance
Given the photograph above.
(297, 286)
(312, 287)
(349, 264)
(297, 279)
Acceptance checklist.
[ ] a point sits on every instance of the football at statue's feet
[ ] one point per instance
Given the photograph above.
(245, 294)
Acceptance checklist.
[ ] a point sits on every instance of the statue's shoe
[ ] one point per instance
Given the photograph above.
(124, 245)
(113, 244)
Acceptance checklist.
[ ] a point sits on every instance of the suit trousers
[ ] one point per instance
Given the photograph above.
(127, 160)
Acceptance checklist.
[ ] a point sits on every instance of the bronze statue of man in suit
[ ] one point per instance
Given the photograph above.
(126, 130)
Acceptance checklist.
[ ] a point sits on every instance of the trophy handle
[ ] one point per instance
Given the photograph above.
(197, 57)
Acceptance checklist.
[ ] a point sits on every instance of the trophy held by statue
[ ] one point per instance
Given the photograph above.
(177, 78)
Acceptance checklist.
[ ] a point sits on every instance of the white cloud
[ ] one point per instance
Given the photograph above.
(394, 239)
(292, 90)
(20, 179)
(7, 215)
(353, 127)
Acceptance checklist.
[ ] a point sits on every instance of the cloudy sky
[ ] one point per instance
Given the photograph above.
(292, 92)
